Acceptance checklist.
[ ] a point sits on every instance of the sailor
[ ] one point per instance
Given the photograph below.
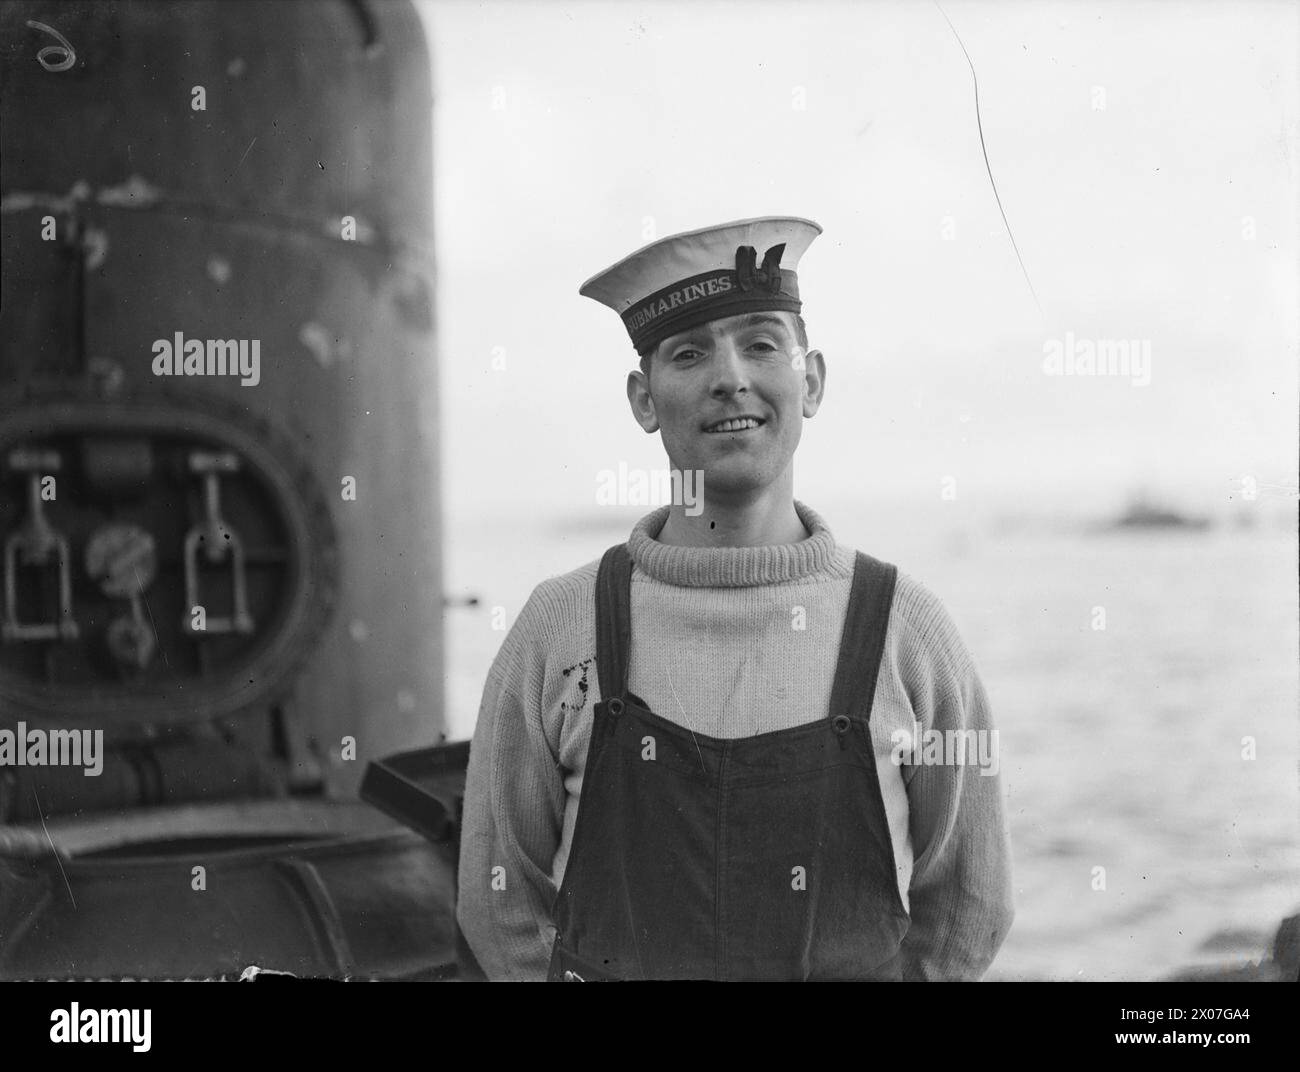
(687, 762)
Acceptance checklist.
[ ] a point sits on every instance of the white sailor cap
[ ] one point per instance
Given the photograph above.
(687, 279)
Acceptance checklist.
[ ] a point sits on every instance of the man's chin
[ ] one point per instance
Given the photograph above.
(731, 480)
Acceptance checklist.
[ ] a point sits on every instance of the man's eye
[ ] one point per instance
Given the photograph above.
(687, 354)
(762, 344)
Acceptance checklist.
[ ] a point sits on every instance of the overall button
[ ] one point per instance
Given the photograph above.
(615, 706)
(842, 723)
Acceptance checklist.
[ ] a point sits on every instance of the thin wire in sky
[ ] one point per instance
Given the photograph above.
(987, 166)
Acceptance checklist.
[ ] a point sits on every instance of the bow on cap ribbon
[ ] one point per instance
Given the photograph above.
(768, 277)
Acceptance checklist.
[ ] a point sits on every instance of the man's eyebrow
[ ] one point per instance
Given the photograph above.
(747, 322)
(753, 320)
(695, 334)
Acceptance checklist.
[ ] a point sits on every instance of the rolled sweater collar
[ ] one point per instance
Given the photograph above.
(731, 567)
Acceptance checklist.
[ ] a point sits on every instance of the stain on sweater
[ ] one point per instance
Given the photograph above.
(583, 685)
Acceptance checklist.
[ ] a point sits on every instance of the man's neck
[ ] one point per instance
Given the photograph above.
(769, 518)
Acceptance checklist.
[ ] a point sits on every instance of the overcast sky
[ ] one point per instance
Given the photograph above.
(1136, 147)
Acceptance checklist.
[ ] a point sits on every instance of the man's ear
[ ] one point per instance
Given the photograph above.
(814, 381)
(643, 406)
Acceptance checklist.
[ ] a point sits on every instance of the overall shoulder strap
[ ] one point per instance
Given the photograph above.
(863, 643)
(613, 620)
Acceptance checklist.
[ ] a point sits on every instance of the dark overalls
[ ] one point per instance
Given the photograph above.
(764, 857)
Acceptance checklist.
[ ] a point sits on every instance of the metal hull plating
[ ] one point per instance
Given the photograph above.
(218, 484)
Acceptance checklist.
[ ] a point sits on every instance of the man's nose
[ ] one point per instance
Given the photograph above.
(730, 374)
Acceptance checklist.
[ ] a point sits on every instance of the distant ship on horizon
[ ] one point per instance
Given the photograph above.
(1142, 513)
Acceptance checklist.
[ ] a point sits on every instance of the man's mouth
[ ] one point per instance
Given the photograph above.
(734, 424)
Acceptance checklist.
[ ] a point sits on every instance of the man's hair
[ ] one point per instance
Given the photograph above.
(800, 336)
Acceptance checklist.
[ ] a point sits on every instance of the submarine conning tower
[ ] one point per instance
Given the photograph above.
(218, 445)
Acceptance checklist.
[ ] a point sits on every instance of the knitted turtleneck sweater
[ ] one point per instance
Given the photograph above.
(713, 649)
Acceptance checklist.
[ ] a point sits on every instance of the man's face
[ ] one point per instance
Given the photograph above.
(749, 365)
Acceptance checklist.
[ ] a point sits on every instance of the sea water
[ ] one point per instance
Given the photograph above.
(1145, 686)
